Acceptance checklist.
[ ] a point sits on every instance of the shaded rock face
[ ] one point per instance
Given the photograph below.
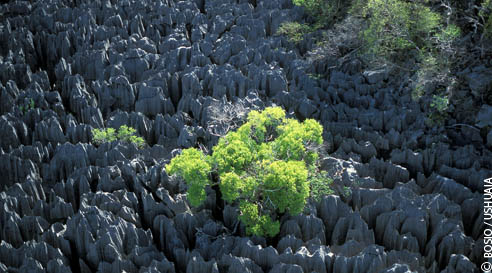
(183, 73)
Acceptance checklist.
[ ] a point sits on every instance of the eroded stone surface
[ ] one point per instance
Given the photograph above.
(178, 72)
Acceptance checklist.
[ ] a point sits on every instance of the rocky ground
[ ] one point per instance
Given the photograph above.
(181, 72)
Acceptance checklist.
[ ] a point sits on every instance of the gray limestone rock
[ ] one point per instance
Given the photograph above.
(197, 264)
(311, 227)
(49, 131)
(151, 101)
(8, 96)
(398, 268)
(289, 241)
(308, 261)
(264, 257)
(489, 139)
(238, 264)
(117, 93)
(330, 210)
(81, 133)
(182, 73)
(286, 268)
(158, 267)
(9, 135)
(187, 137)
(306, 108)
(135, 64)
(472, 215)
(460, 263)
(479, 80)
(484, 116)
(15, 170)
(67, 158)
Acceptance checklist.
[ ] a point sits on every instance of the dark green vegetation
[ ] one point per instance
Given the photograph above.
(485, 15)
(125, 133)
(429, 40)
(24, 108)
(268, 167)
(439, 106)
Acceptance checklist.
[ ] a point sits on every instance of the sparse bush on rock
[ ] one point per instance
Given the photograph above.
(486, 14)
(396, 25)
(294, 31)
(438, 112)
(125, 133)
(265, 167)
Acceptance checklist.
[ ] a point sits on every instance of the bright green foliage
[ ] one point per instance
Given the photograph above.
(125, 133)
(232, 153)
(396, 25)
(285, 185)
(229, 186)
(100, 136)
(255, 223)
(192, 165)
(263, 124)
(264, 167)
(291, 144)
(449, 33)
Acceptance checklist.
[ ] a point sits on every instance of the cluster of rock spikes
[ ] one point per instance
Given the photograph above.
(182, 73)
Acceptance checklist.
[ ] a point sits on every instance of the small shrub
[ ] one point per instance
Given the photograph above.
(439, 106)
(100, 136)
(315, 76)
(267, 167)
(125, 133)
(324, 12)
(27, 106)
(294, 31)
(439, 103)
(431, 73)
(417, 92)
(486, 15)
(320, 184)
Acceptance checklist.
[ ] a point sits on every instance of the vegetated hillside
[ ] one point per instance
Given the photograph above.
(414, 149)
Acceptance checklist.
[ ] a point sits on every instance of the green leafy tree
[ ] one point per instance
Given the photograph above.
(395, 26)
(265, 167)
(125, 133)
(194, 167)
